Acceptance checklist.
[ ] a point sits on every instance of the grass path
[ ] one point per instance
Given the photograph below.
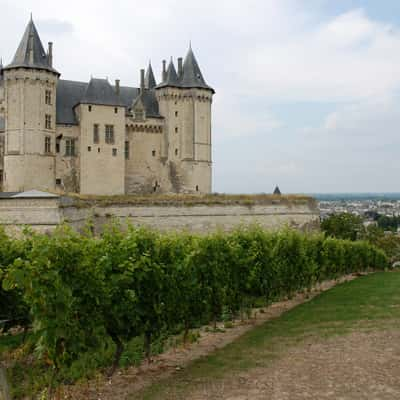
(363, 313)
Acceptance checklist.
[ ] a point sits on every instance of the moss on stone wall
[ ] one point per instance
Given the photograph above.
(184, 200)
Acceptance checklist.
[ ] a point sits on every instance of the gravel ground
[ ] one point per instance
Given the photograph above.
(355, 366)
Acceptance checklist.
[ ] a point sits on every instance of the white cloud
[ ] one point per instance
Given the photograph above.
(347, 58)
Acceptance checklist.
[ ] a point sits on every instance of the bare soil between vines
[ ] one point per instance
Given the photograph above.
(127, 381)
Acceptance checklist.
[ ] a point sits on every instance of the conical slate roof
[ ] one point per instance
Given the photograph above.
(192, 76)
(277, 191)
(30, 52)
(172, 77)
(149, 80)
(99, 91)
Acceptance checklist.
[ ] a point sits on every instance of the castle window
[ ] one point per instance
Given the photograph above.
(48, 121)
(98, 149)
(116, 110)
(70, 147)
(176, 129)
(114, 152)
(153, 153)
(176, 113)
(126, 150)
(96, 136)
(90, 108)
(47, 144)
(110, 134)
(57, 146)
(197, 188)
(58, 181)
(176, 152)
(48, 97)
(89, 148)
(1, 176)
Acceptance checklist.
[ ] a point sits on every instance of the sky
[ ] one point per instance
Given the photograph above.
(307, 91)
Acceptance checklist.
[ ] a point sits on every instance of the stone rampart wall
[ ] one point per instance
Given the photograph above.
(45, 214)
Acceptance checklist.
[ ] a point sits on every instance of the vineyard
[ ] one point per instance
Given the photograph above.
(79, 295)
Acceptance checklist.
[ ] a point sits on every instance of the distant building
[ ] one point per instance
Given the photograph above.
(97, 138)
(277, 191)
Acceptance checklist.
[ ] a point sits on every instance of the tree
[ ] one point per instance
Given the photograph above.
(343, 226)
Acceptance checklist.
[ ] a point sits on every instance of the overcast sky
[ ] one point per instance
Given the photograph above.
(307, 92)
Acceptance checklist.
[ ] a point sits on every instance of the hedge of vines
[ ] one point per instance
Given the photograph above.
(125, 284)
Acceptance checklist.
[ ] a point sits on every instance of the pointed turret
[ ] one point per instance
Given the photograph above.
(277, 191)
(191, 74)
(171, 77)
(30, 52)
(149, 80)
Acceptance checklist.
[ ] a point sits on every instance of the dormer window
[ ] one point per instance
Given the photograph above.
(139, 115)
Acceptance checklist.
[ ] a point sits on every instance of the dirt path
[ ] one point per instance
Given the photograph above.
(356, 366)
(128, 381)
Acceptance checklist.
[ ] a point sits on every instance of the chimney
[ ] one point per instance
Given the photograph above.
(164, 71)
(117, 89)
(142, 81)
(180, 67)
(50, 54)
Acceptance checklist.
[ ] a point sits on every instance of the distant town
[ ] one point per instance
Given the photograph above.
(367, 206)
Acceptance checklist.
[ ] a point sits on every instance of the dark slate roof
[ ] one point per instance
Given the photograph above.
(7, 195)
(2, 124)
(149, 80)
(71, 93)
(31, 42)
(149, 101)
(127, 95)
(172, 77)
(277, 191)
(99, 91)
(192, 76)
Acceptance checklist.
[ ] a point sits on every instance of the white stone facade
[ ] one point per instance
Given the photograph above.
(102, 139)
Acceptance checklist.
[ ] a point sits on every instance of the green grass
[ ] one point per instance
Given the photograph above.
(369, 302)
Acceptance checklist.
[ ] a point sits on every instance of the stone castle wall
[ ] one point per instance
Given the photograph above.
(45, 214)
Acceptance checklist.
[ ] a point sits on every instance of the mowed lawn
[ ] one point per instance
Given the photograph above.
(367, 304)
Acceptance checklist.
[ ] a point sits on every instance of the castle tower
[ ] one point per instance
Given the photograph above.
(185, 102)
(102, 139)
(30, 83)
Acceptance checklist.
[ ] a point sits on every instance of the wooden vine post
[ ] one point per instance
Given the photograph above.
(4, 389)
